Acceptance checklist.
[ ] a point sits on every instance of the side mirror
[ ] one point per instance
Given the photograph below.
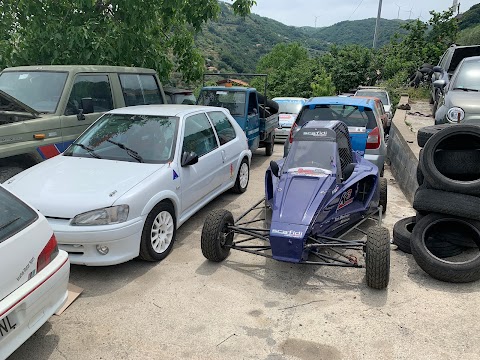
(439, 84)
(87, 105)
(189, 158)
(437, 69)
(275, 169)
(347, 172)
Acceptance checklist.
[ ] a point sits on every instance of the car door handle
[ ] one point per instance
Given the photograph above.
(224, 156)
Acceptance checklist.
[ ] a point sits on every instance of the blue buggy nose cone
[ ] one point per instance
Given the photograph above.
(287, 241)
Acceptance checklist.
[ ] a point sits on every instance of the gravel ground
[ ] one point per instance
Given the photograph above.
(420, 115)
(255, 308)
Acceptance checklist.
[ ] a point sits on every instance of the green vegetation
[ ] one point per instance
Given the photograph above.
(155, 34)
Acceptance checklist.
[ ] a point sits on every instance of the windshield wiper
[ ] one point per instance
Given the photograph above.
(465, 89)
(89, 149)
(9, 223)
(129, 151)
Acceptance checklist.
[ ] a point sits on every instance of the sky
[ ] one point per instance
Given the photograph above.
(323, 13)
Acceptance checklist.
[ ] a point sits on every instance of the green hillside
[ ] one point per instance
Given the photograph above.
(232, 43)
(358, 32)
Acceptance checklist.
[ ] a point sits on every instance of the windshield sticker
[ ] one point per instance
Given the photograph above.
(357, 129)
(175, 175)
(345, 199)
(289, 233)
(222, 93)
(315, 172)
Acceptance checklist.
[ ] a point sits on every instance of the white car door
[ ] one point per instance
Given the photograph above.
(204, 177)
(230, 145)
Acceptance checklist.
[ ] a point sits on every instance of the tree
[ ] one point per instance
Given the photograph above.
(154, 34)
(322, 84)
(470, 36)
(290, 70)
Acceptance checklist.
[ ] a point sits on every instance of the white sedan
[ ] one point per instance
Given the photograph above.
(133, 177)
(33, 272)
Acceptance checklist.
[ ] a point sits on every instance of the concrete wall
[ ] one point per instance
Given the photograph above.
(403, 153)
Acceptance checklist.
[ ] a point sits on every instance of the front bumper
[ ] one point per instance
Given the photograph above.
(80, 242)
(33, 303)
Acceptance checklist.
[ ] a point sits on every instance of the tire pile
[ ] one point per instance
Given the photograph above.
(444, 236)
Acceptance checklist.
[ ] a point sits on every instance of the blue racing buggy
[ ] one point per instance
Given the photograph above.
(314, 198)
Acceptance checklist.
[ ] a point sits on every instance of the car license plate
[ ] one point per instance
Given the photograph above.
(7, 325)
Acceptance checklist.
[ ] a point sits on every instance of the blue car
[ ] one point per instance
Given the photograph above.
(359, 114)
(321, 191)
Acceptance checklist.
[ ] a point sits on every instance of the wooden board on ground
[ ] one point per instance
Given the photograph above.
(73, 293)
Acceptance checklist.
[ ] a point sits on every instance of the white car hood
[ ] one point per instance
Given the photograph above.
(66, 186)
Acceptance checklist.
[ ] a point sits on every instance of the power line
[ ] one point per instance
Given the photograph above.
(361, 1)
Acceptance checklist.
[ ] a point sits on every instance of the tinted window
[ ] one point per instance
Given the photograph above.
(199, 136)
(378, 94)
(14, 215)
(351, 115)
(96, 87)
(223, 127)
(468, 76)
(234, 101)
(125, 137)
(140, 89)
(41, 90)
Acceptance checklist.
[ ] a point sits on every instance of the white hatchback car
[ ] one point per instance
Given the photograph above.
(33, 272)
(133, 177)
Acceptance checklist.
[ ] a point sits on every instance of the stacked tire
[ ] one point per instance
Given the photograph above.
(444, 236)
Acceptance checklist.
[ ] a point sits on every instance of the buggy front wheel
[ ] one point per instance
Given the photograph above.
(377, 257)
(216, 236)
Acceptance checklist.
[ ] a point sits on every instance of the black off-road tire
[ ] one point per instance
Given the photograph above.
(419, 215)
(441, 269)
(459, 137)
(402, 232)
(458, 162)
(420, 177)
(382, 188)
(427, 132)
(215, 235)
(448, 203)
(238, 188)
(147, 252)
(443, 249)
(269, 145)
(377, 257)
(8, 172)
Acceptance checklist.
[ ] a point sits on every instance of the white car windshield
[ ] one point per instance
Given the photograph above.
(134, 138)
(40, 90)
(468, 78)
(289, 106)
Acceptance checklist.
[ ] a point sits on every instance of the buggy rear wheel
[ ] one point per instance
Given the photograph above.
(215, 235)
(383, 194)
(377, 257)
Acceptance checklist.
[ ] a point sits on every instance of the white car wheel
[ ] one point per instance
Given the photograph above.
(244, 174)
(159, 231)
(162, 232)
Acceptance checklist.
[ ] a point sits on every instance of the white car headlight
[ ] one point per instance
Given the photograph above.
(106, 216)
(455, 114)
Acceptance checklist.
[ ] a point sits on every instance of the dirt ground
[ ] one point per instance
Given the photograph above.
(420, 115)
(250, 307)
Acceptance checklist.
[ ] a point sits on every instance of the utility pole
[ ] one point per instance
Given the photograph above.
(316, 17)
(375, 36)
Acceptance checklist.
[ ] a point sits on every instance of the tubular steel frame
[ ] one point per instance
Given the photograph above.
(314, 245)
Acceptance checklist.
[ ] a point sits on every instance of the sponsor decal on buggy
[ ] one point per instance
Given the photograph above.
(342, 218)
(315, 172)
(334, 191)
(288, 233)
(315, 133)
(345, 199)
